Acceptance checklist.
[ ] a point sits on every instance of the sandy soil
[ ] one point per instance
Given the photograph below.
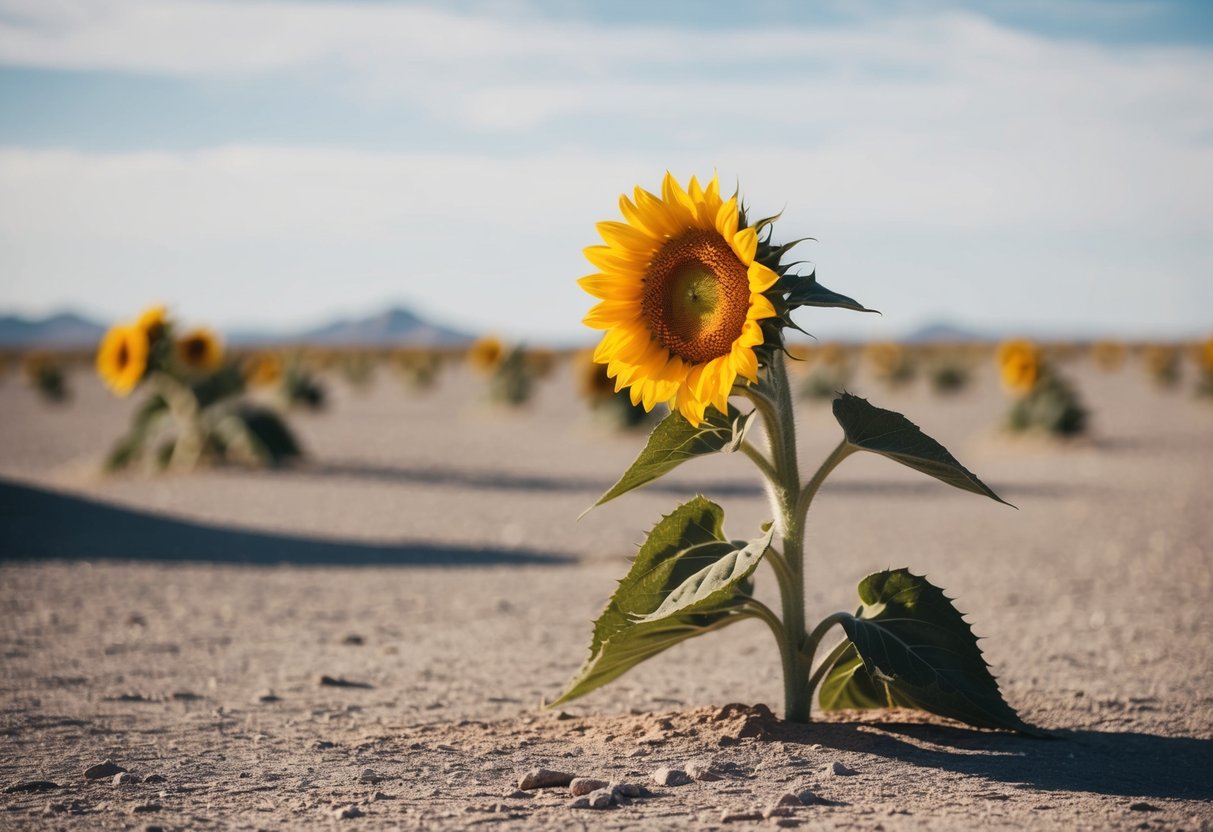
(429, 552)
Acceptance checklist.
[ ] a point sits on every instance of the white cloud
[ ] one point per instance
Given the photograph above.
(940, 126)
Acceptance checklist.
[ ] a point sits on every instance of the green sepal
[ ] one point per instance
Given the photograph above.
(888, 433)
(674, 440)
(803, 290)
(686, 580)
(911, 648)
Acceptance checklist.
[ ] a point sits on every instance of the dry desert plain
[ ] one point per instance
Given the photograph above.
(429, 552)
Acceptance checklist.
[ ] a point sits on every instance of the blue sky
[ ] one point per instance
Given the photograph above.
(1027, 166)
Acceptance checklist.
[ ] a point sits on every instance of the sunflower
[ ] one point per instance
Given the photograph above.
(1019, 364)
(122, 358)
(262, 369)
(200, 350)
(681, 298)
(486, 353)
(153, 321)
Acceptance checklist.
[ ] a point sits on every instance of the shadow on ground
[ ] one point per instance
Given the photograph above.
(39, 524)
(1126, 763)
(491, 480)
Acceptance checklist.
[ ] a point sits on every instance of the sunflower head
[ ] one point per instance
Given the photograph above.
(153, 322)
(681, 297)
(1019, 365)
(200, 351)
(262, 369)
(122, 358)
(486, 354)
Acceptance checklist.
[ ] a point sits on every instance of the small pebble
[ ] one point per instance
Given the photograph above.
(787, 822)
(354, 640)
(125, 778)
(151, 827)
(102, 771)
(519, 794)
(347, 812)
(702, 771)
(837, 769)
(266, 695)
(154, 778)
(1142, 806)
(585, 785)
(807, 797)
(382, 796)
(145, 808)
(789, 799)
(542, 778)
(778, 812)
(601, 798)
(369, 775)
(340, 682)
(670, 777)
(631, 790)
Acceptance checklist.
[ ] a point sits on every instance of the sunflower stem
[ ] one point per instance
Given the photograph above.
(780, 422)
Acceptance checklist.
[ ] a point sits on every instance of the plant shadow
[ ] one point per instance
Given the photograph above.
(1124, 763)
(493, 480)
(36, 524)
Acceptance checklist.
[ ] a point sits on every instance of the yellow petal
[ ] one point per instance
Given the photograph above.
(745, 244)
(727, 219)
(761, 278)
(624, 236)
(615, 261)
(760, 307)
(608, 287)
(745, 362)
(611, 313)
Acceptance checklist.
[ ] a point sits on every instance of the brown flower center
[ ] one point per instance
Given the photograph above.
(696, 296)
(195, 350)
(123, 357)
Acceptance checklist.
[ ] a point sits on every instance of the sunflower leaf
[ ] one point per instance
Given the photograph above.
(675, 440)
(674, 558)
(911, 648)
(804, 290)
(885, 432)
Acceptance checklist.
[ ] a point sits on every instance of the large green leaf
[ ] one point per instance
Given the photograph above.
(686, 557)
(890, 434)
(911, 648)
(675, 440)
(804, 290)
(716, 583)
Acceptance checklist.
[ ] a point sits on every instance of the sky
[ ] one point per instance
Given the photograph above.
(1013, 166)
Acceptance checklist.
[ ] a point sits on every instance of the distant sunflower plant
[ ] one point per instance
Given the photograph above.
(694, 300)
(194, 411)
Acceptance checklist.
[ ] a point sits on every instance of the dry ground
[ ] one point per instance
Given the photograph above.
(430, 552)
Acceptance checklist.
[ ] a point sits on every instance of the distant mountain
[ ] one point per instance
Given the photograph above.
(66, 329)
(945, 332)
(395, 327)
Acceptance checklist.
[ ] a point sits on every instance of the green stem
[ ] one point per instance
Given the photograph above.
(805, 498)
(183, 404)
(774, 401)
